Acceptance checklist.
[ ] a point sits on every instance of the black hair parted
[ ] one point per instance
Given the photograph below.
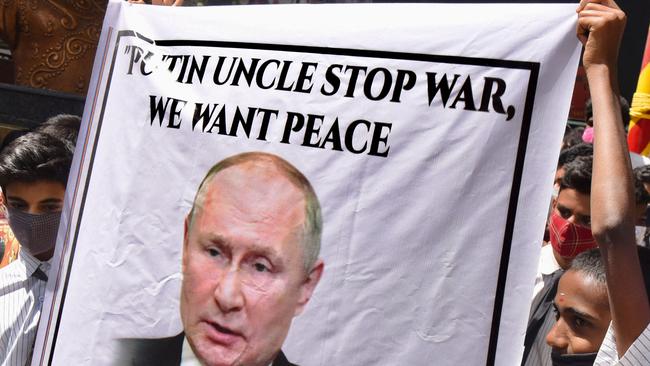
(570, 154)
(64, 127)
(35, 157)
(577, 175)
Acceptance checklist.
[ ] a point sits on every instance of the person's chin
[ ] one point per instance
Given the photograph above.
(217, 346)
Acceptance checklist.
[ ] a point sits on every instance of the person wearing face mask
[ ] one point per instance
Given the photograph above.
(33, 175)
(570, 235)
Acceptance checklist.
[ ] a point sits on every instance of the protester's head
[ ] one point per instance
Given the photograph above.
(250, 259)
(33, 175)
(642, 173)
(570, 224)
(582, 309)
(568, 155)
(65, 127)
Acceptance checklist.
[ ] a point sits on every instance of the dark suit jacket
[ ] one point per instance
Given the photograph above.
(162, 352)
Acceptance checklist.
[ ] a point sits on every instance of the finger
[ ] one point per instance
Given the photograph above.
(599, 7)
(582, 32)
(584, 3)
(606, 3)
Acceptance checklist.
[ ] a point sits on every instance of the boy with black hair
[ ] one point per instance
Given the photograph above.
(570, 220)
(570, 235)
(33, 175)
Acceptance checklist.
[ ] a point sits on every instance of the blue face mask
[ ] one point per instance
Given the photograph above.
(584, 359)
(35, 233)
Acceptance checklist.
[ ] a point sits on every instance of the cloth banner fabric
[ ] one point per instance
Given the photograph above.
(429, 133)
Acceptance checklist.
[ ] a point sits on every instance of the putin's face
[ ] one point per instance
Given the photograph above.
(243, 269)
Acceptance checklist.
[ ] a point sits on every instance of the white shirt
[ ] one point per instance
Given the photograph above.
(21, 299)
(637, 355)
(547, 265)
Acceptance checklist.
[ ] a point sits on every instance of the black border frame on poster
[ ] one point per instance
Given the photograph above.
(532, 67)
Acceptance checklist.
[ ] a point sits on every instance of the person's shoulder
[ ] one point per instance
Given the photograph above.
(150, 351)
(281, 360)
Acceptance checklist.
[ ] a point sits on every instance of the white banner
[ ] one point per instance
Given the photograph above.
(429, 133)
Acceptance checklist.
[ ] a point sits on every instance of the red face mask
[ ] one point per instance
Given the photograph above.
(567, 239)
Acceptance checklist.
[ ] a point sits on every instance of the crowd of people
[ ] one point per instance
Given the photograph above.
(590, 302)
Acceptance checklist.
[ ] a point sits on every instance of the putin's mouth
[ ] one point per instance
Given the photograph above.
(221, 335)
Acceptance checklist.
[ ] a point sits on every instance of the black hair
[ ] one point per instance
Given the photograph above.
(577, 175)
(35, 157)
(65, 127)
(571, 153)
(641, 196)
(590, 263)
(642, 173)
(572, 137)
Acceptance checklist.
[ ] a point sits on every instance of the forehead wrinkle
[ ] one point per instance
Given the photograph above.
(258, 199)
(259, 191)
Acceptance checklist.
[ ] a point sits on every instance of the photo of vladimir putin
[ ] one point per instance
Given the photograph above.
(250, 265)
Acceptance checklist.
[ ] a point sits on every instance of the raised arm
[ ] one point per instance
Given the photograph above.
(600, 27)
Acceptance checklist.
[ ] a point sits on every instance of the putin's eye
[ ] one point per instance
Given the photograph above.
(214, 252)
(260, 267)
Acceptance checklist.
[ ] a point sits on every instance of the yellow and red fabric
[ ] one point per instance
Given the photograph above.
(638, 137)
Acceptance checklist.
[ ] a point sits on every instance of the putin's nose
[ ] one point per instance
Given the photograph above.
(228, 292)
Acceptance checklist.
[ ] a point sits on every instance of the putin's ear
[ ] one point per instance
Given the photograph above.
(309, 285)
(185, 241)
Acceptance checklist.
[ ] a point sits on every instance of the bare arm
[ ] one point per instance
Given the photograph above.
(600, 27)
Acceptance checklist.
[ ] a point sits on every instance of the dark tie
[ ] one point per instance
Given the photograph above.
(40, 274)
